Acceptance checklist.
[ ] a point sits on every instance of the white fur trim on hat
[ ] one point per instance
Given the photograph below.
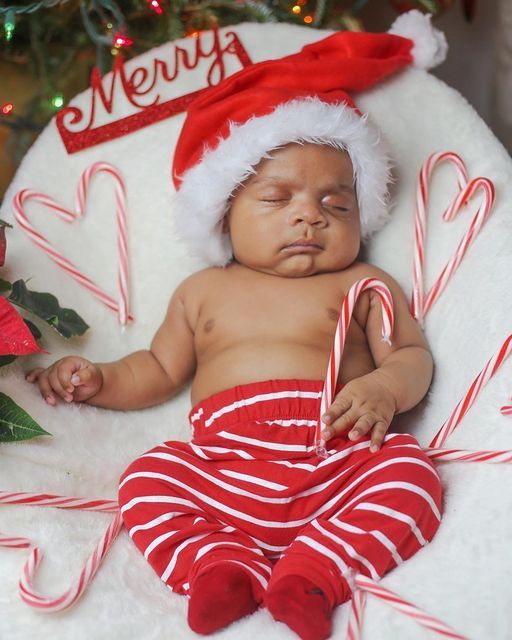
(430, 46)
(201, 201)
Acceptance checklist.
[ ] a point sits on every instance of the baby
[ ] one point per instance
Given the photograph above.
(248, 513)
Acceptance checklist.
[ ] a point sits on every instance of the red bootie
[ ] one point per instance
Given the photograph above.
(219, 596)
(302, 606)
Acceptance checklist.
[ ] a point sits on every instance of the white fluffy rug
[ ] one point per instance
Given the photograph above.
(463, 577)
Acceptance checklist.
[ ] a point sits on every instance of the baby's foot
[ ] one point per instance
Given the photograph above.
(219, 596)
(302, 606)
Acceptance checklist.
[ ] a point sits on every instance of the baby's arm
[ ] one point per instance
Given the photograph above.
(400, 380)
(139, 380)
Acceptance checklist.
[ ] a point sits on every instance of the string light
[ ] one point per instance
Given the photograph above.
(121, 40)
(7, 108)
(308, 19)
(58, 101)
(296, 9)
(9, 25)
(156, 6)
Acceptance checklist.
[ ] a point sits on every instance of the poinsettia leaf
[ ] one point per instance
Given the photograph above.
(46, 306)
(15, 337)
(5, 286)
(34, 329)
(15, 423)
(6, 360)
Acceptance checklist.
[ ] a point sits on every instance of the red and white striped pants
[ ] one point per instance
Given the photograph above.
(250, 489)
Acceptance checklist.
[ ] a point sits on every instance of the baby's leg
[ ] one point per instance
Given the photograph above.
(389, 509)
(220, 568)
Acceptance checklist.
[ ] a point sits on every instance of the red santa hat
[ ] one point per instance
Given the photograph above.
(304, 97)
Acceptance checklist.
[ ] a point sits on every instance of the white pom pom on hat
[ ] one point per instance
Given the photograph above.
(304, 97)
(430, 46)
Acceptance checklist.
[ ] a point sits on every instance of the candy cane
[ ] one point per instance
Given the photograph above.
(468, 400)
(355, 621)
(462, 455)
(27, 591)
(405, 607)
(426, 171)
(120, 306)
(51, 500)
(506, 410)
(485, 208)
(329, 388)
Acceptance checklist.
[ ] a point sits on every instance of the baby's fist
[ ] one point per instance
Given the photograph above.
(73, 379)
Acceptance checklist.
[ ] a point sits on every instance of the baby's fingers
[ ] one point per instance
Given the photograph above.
(378, 434)
(339, 424)
(340, 406)
(59, 383)
(33, 375)
(366, 423)
(44, 385)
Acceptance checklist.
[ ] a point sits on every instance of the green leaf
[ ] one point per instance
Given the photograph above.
(3, 223)
(6, 360)
(15, 423)
(46, 306)
(34, 330)
(5, 286)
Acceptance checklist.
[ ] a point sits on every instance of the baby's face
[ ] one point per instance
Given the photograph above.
(298, 215)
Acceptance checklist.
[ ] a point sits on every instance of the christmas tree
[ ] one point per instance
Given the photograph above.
(56, 43)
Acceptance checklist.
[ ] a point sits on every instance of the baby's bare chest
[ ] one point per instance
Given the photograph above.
(304, 312)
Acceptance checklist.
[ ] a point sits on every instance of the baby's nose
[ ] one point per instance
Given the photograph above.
(309, 211)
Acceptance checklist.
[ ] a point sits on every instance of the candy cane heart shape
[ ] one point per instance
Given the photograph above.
(422, 192)
(347, 310)
(465, 404)
(355, 620)
(463, 455)
(486, 187)
(405, 607)
(22, 197)
(27, 590)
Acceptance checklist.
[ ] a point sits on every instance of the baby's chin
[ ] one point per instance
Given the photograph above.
(303, 266)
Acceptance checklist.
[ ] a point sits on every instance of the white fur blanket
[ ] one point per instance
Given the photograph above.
(463, 576)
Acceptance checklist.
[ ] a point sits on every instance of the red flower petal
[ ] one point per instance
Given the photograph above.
(15, 336)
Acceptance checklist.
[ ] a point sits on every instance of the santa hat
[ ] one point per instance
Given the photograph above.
(304, 97)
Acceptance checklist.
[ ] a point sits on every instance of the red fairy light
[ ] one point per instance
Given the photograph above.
(121, 41)
(7, 108)
(155, 5)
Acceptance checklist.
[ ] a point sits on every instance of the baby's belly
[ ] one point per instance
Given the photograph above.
(245, 363)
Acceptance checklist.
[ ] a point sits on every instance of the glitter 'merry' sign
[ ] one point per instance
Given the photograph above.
(146, 94)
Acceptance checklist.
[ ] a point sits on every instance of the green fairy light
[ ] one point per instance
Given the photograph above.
(58, 101)
(9, 25)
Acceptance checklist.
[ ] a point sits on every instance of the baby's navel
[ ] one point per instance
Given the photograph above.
(333, 314)
(208, 325)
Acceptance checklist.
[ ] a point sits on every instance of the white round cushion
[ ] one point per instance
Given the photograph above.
(463, 576)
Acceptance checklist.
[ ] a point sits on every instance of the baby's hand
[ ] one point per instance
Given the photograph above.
(363, 404)
(73, 379)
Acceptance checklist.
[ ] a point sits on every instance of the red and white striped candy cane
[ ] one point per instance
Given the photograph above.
(347, 309)
(22, 197)
(506, 410)
(462, 455)
(485, 208)
(355, 621)
(405, 607)
(468, 400)
(433, 161)
(27, 591)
